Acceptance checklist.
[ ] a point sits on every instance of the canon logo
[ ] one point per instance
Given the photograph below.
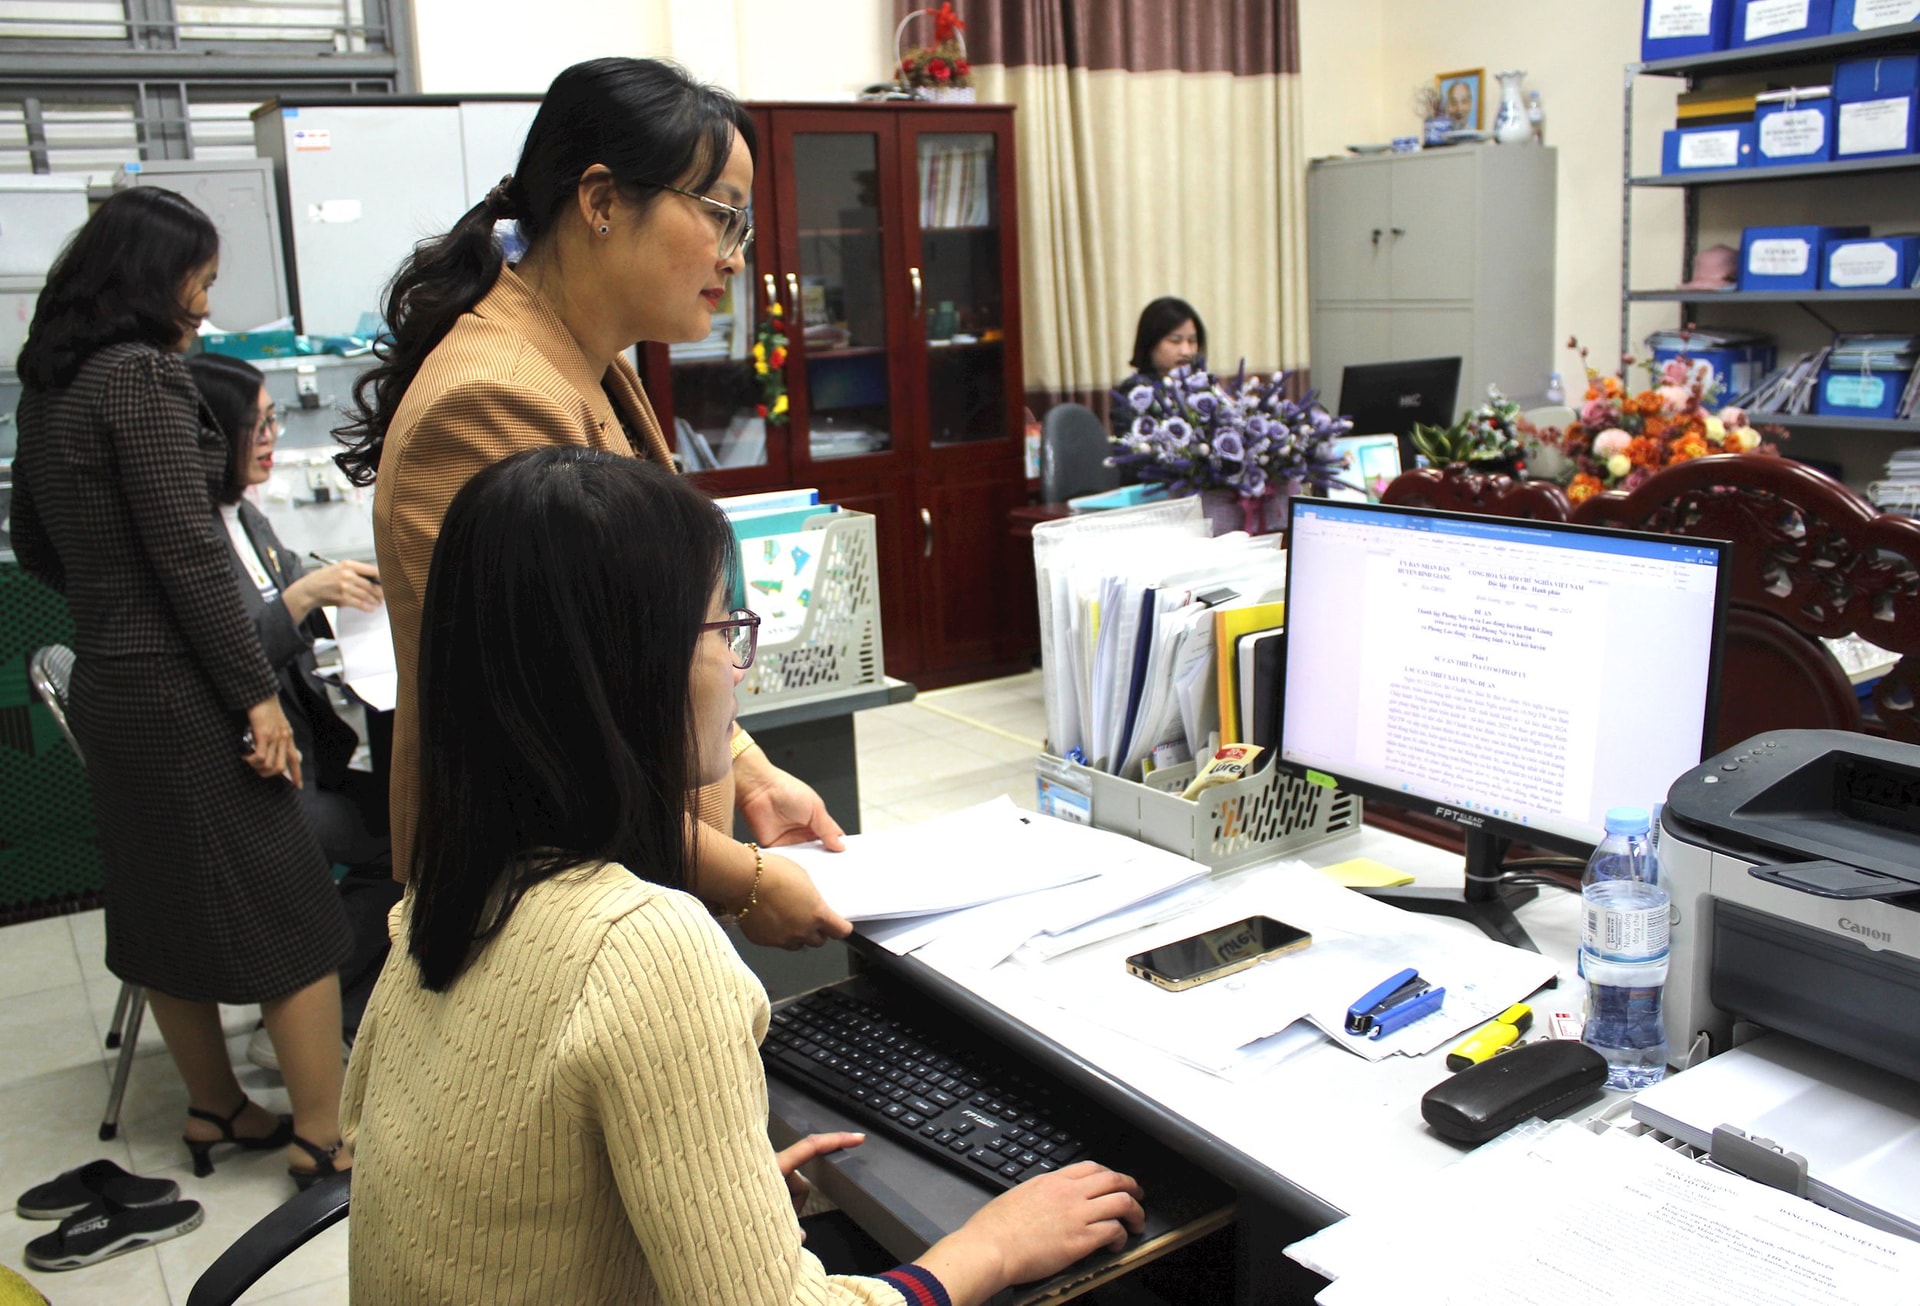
(1865, 931)
(1460, 818)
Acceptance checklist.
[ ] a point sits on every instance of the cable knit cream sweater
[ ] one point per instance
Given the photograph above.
(580, 1119)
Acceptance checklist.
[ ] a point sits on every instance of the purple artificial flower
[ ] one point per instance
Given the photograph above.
(1177, 429)
(1253, 482)
(1259, 427)
(1139, 397)
(1204, 406)
(1143, 427)
(1229, 446)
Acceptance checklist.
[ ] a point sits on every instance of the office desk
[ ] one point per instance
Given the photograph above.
(1323, 1133)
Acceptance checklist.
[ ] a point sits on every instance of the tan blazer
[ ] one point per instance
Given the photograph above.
(508, 377)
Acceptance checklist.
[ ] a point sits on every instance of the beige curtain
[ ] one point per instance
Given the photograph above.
(1159, 154)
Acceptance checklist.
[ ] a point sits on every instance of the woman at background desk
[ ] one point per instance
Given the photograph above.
(559, 1059)
(215, 888)
(631, 193)
(285, 602)
(1170, 335)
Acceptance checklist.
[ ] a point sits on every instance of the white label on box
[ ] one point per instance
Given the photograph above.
(1710, 149)
(1875, 264)
(334, 211)
(1772, 17)
(1874, 126)
(312, 138)
(1792, 133)
(1856, 391)
(1668, 18)
(1869, 14)
(1779, 256)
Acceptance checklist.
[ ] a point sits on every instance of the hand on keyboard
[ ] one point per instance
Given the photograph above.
(1038, 1229)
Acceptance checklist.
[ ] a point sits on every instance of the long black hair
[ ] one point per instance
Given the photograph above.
(230, 388)
(1158, 320)
(644, 120)
(118, 280)
(562, 608)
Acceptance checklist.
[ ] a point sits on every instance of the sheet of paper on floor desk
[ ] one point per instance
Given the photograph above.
(366, 656)
(1582, 1217)
(981, 937)
(1357, 942)
(981, 854)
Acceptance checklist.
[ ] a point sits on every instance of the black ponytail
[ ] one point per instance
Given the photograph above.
(644, 120)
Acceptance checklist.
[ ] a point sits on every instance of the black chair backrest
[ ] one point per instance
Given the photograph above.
(270, 1241)
(1073, 454)
(51, 670)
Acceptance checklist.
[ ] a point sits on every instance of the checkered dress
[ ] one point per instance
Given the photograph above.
(216, 889)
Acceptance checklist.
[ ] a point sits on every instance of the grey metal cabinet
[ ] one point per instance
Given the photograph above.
(363, 179)
(238, 194)
(1432, 254)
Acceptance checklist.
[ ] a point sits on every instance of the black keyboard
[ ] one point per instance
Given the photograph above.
(929, 1093)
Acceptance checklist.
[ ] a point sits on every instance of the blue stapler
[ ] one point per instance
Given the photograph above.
(1397, 1001)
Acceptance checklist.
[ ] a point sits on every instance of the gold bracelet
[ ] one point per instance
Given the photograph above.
(753, 893)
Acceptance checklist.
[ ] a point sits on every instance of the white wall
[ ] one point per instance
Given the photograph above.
(758, 49)
(1365, 57)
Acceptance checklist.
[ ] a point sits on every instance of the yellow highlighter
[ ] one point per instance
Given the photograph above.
(1503, 1031)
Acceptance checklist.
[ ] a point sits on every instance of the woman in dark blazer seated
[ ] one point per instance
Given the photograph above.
(285, 602)
(216, 890)
(1170, 334)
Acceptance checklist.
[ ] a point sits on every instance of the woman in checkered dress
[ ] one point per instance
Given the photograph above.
(216, 890)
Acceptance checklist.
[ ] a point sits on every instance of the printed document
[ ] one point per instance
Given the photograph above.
(366, 656)
(1589, 1218)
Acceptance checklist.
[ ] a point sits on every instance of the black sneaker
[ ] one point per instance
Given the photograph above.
(102, 1232)
(76, 1190)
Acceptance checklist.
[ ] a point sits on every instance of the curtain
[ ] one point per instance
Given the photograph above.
(1160, 153)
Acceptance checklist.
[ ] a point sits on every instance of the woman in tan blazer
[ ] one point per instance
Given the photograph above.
(631, 196)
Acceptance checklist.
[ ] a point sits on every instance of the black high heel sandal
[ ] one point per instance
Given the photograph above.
(201, 1149)
(322, 1162)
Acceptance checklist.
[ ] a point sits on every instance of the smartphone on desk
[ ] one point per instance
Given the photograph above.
(1191, 962)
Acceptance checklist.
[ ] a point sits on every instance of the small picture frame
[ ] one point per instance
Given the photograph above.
(1461, 97)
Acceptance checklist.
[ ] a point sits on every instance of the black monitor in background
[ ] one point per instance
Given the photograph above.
(1517, 678)
(1388, 398)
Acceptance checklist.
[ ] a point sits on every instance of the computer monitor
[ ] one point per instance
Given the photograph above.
(1517, 678)
(1389, 398)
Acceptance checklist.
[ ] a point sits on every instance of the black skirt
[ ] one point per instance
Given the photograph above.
(216, 889)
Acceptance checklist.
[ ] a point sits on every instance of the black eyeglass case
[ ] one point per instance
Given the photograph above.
(1542, 1079)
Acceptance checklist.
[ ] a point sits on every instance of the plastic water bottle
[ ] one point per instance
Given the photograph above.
(1623, 951)
(1556, 390)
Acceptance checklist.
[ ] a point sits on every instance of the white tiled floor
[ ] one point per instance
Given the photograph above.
(948, 749)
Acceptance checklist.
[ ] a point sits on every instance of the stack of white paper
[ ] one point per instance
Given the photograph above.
(1553, 1214)
(366, 656)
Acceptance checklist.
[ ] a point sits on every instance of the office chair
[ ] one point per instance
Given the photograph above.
(1811, 560)
(51, 670)
(1073, 454)
(277, 1235)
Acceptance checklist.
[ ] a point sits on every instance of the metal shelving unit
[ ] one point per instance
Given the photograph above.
(1784, 55)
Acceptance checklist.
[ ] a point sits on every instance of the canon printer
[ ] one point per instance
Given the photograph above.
(1793, 861)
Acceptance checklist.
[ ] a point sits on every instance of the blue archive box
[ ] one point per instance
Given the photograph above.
(1877, 263)
(1674, 29)
(1851, 393)
(1736, 369)
(1758, 22)
(1786, 258)
(1792, 127)
(1707, 149)
(1875, 106)
(1851, 16)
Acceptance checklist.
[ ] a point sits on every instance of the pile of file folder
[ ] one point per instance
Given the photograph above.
(1158, 641)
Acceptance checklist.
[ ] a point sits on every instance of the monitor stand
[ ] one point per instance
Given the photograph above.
(1484, 901)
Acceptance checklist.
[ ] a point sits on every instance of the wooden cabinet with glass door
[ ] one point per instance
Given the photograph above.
(887, 233)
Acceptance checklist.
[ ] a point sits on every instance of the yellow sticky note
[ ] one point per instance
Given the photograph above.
(1365, 873)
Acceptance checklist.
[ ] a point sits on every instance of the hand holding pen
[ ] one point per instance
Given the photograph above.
(337, 584)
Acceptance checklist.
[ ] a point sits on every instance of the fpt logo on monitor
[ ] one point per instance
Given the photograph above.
(1459, 817)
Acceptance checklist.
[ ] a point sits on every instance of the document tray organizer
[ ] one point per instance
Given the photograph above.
(838, 647)
(1231, 825)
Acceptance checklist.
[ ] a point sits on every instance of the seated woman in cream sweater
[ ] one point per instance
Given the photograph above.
(556, 1094)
